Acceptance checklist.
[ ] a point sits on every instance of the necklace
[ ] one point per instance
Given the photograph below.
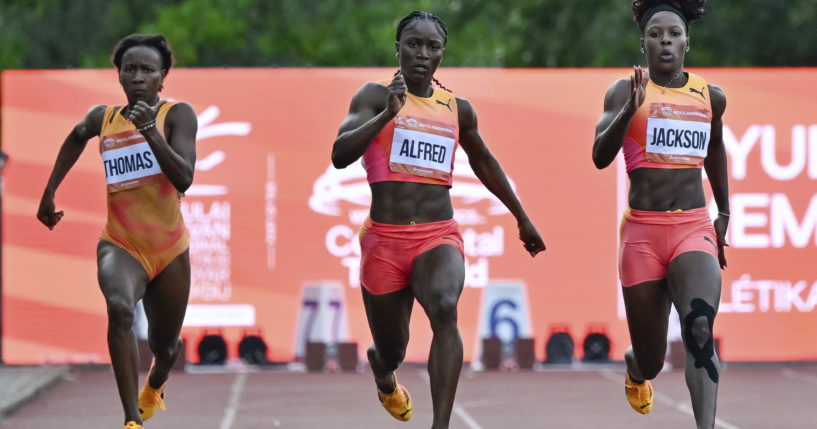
(672, 79)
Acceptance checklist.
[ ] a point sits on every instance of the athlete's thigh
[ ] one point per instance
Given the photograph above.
(437, 277)
(388, 315)
(121, 277)
(695, 280)
(648, 305)
(166, 299)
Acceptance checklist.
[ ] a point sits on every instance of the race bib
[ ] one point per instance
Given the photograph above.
(678, 134)
(422, 147)
(128, 161)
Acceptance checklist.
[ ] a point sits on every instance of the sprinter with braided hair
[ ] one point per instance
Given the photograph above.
(669, 124)
(407, 132)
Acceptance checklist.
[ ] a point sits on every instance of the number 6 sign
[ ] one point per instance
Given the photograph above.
(503, 314)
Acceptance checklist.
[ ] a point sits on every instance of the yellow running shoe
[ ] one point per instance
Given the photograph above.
(397, 403)
(150, 399)
(639, 395)
(132, 425)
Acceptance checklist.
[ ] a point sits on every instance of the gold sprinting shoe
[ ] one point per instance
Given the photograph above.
(397, 403)
(151, 400)
(132, 425)
(639, 395)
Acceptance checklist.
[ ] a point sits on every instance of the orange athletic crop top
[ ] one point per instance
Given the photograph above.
(418, 145)
(671, 129)
(144, 211)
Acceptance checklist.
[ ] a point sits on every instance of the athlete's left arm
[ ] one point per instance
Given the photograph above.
(716, 169)
(489, 172)
(176, 154)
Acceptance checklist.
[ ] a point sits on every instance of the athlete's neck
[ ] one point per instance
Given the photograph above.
(676, 79)
(152, 104)
(422, 89)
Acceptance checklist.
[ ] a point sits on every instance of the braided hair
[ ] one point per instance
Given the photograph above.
(423, 16)
(688, 10)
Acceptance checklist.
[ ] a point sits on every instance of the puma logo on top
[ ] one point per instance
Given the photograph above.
(701, 92)
(446, 104)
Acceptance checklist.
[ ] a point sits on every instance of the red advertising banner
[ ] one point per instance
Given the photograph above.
(274, 226)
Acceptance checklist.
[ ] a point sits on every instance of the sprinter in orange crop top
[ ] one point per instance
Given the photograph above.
(669, 125)
(148, 154)
(407, 132)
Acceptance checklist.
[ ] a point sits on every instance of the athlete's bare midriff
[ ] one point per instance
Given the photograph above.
(401, 203)
(656, 189)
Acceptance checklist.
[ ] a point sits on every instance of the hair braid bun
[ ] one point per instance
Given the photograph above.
(689, 9)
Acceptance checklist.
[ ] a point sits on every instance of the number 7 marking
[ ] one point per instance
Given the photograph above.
(312, 305)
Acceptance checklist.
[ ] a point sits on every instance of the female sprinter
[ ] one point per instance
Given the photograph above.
(669, 124)
(148, 153)
(411, 247)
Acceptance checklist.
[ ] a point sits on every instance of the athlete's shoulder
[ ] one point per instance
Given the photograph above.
(371, 95)
(378, 87)
(96, 111)
(463, 103)
(622, 84)
(179, 107)
(718, 99)
(179, 111)
(617, 93)
(465, 106)
(466, 115)
(91, 124)
(716, 91)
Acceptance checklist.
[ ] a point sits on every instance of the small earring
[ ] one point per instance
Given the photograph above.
(687, 48)
(642, 50)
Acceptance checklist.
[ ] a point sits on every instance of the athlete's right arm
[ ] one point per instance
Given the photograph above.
(70, 151)
(620, 104)
(372, 108)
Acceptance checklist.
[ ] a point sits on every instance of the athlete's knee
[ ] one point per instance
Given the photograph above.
(442, 312)
(165, 352)
(699, 331)
(120, 313)
(650, 368)
(698, 337)
(391, 358)
(698, 324)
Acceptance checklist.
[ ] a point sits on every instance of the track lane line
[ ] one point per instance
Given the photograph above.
(799, 376)
(233, 402)
(469, 420)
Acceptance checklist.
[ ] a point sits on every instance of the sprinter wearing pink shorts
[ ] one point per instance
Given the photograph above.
(669, 125)
(407, 132)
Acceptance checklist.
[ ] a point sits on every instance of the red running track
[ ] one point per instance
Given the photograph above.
(751, 397)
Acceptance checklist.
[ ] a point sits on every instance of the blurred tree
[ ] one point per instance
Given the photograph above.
(301, 33)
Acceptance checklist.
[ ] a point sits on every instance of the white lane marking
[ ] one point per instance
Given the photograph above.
(666, 400)
(469, 421)
(799, 376)
(458, 410)
(232, 403)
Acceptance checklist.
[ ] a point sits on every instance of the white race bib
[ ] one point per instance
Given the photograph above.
(678, 134)
(422, 148)
(128, 161)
